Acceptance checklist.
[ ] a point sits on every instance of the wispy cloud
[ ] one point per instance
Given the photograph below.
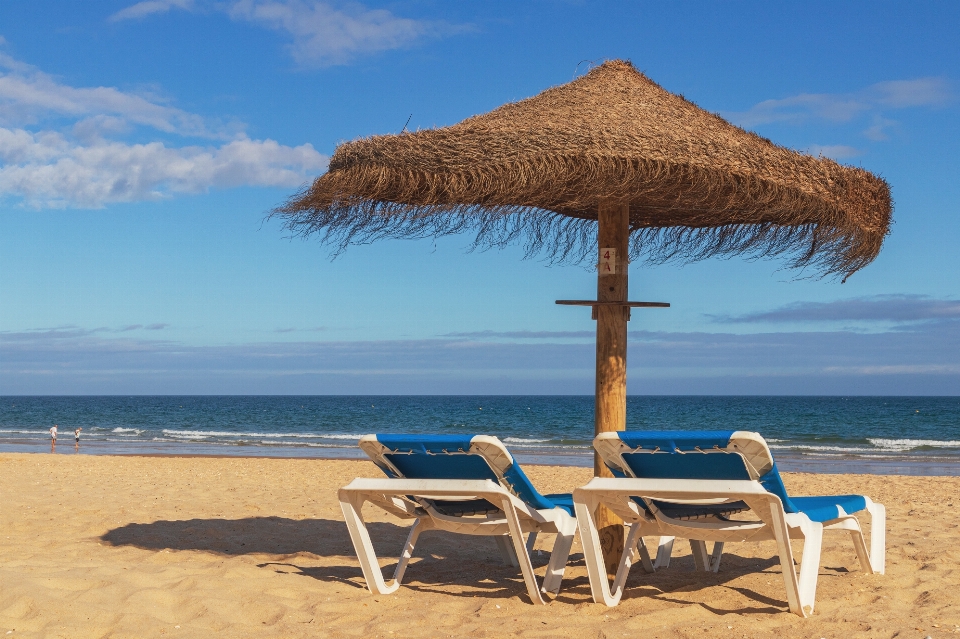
(40, 335)
(866, 108)
(84, 165)
(28, 96)
(910, 369)
(922, 360)
(71, 332)
(138, 327)
(879, 308)
(845, 107)
(150, 7)
(523, 334)
(880, 128)
(899, 94)
(325, 35)
(320, 33)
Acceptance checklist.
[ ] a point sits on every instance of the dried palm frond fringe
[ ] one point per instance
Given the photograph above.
(536, 171)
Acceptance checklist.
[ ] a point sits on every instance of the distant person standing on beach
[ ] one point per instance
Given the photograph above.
(76, 435)
(53, 435)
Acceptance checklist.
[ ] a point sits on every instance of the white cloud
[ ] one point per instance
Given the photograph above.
(322, 33)
(326, 35)
(82, 164)
(913, 369)
(878, 131)
(901, 94)
(97, 126)
(47, 169)
(845, 107)
(897, 308)
(150, 7)
(27, 95)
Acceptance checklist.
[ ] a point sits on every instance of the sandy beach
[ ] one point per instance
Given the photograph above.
(114, 546)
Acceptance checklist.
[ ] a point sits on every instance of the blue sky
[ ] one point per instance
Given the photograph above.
(142, 144)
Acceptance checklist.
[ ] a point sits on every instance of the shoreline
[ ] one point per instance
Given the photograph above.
(906, 465)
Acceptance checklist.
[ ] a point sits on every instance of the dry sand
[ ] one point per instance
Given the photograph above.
(238, 547)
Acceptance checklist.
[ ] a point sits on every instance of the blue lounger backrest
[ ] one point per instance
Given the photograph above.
(680, 455)
(451, 457)
(729, 455)
(685, 459)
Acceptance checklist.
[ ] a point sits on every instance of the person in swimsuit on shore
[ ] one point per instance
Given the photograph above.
(76, 435)
(53, 436)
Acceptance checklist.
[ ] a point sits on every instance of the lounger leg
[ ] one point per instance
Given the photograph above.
(592, 552)
(407, 553)
(531, 541)
(785, 553)
(700, 559)
(878, 537)
(664, 551)
(558, 558)
(506, 551)
(810, 565)
(861, 547)
(871, 561)
(645, 562)
(516, 535)
(629, 556)
(351, 504)
(715, 556)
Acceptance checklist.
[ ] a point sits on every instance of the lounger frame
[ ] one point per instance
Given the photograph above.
(507, 527)
(771, 523)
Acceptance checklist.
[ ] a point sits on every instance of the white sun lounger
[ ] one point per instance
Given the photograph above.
(463, 484)
(720, 487)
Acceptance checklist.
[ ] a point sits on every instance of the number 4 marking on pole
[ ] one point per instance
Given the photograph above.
(608, 261)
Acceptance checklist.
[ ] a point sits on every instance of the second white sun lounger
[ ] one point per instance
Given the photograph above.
(720, 486)
(463, 484)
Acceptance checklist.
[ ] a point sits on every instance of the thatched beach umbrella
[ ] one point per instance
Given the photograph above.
(609, 161)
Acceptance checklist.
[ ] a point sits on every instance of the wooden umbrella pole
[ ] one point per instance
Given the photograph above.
(610, 411)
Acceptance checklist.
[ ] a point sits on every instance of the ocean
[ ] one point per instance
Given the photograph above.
(901, 435)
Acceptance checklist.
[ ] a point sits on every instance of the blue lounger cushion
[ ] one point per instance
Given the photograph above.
(816, 508)
(680, 455)
(562, 500)
(450, 457)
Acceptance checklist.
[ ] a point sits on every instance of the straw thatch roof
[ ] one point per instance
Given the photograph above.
(537, 169)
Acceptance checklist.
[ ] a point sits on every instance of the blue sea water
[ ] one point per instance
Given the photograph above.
(912, 435)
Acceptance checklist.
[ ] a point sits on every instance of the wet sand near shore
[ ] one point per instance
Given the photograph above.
(128, 546)
(926, 463)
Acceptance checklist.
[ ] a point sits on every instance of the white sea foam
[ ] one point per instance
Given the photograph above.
(832, 449)
(307, 444)
(877, 445)
(16, 431)
(520, 440)
(862, 456)
(135, 431)
(559, 447)
(902, 445)
(201, 434)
